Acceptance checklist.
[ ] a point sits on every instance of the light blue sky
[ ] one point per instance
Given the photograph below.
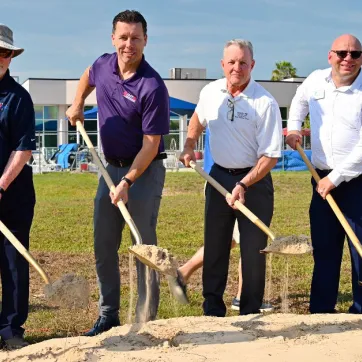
(62, 37)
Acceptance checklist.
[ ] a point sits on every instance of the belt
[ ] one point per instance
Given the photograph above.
(234, 171)
(128, 161)
(323, 173)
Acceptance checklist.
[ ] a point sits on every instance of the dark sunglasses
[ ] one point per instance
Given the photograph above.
(231, 110)
(5, 53)
(355, 54)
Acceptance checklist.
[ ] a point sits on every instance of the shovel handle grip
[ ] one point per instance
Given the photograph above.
(347, 228)
(122, 207)
(251, 216)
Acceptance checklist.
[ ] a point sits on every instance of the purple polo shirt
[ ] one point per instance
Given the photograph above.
(129, 109)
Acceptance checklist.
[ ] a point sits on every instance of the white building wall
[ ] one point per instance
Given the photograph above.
(62, 93)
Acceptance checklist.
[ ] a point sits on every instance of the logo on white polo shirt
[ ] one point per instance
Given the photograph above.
(129, 96)
(241, 115)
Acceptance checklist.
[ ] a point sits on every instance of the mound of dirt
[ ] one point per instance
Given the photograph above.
(273, 338)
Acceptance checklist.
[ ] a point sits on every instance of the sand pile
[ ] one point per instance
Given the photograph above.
(291, 245)
(156, 257)
(71, 291)
(272, 338)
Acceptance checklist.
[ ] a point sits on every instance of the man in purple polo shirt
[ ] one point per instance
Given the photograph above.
(133, 106)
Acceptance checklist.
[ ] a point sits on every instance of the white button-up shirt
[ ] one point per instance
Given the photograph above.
(336, 123)
(255, 131)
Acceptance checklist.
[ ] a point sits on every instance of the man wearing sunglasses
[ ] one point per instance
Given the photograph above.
(333, 99)
(245, 142)
(17, 196)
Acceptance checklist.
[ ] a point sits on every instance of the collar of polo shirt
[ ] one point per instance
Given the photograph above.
(354, 87)
(248, 92)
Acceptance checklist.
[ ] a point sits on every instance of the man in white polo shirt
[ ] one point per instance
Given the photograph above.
(333, 98)
(245, 142)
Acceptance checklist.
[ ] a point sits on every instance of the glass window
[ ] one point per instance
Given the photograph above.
(50, 140)
(50, 112)
(72, 138)
(50, 125)
(38, 112)
(90, 125)
(38, 125)
(284, 112)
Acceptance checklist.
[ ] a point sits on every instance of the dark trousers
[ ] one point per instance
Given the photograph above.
(328, 238)
(16, 212)
(219, 224)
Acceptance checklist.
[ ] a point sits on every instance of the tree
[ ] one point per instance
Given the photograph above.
(284, 70)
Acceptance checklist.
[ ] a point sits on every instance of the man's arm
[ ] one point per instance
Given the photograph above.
(269, 139)
(143, 159)
(194, 131)
(13, 167)
(297, 113)
(75, 111)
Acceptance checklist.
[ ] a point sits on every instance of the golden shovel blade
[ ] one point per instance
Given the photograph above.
(156, 258)
(289, 245)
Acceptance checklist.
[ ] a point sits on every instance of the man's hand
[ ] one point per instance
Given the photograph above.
(324, 186)
(238, 193)
(187, 155)
(121, 193)
(75, 113)
(292, 138)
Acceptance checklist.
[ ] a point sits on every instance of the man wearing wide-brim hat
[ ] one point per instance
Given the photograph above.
(17, 196)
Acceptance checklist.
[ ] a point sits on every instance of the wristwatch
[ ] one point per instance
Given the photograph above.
(2, 191)
(239, 183)
(124, 178)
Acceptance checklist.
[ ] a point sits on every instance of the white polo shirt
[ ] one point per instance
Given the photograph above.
(336, 123)
(255, 131)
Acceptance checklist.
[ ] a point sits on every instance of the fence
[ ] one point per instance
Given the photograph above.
(43, 159)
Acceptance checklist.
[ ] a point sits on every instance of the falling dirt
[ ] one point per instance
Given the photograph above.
(71, 291)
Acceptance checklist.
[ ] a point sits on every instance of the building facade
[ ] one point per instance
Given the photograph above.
(52, 97)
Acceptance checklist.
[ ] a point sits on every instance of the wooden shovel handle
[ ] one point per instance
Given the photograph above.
(252, 217)
(122, 207)
(22, 250)
(332, 203)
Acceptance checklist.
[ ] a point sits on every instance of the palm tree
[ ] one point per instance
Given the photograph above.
(284, 70)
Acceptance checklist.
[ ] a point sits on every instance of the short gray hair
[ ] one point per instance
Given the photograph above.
(241, 43)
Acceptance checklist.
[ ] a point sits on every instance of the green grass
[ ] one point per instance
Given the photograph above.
(62, 241)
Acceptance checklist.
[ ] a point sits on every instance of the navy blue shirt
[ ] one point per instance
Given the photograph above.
(17, 122)
(129, 109)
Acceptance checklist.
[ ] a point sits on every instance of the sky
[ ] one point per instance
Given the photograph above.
(63, 37)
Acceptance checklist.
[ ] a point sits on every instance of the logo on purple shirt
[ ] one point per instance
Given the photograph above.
(129, 96)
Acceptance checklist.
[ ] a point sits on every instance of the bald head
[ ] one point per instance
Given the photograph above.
(345, 59)
(346, 42)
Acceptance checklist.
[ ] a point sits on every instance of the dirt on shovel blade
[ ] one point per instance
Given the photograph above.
(290, 245)
(71, 291)
(156, 258)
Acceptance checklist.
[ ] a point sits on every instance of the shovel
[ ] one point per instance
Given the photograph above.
(25, 253)
(150, 255)
(283, 242)
(332, 203)
(70, 291)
